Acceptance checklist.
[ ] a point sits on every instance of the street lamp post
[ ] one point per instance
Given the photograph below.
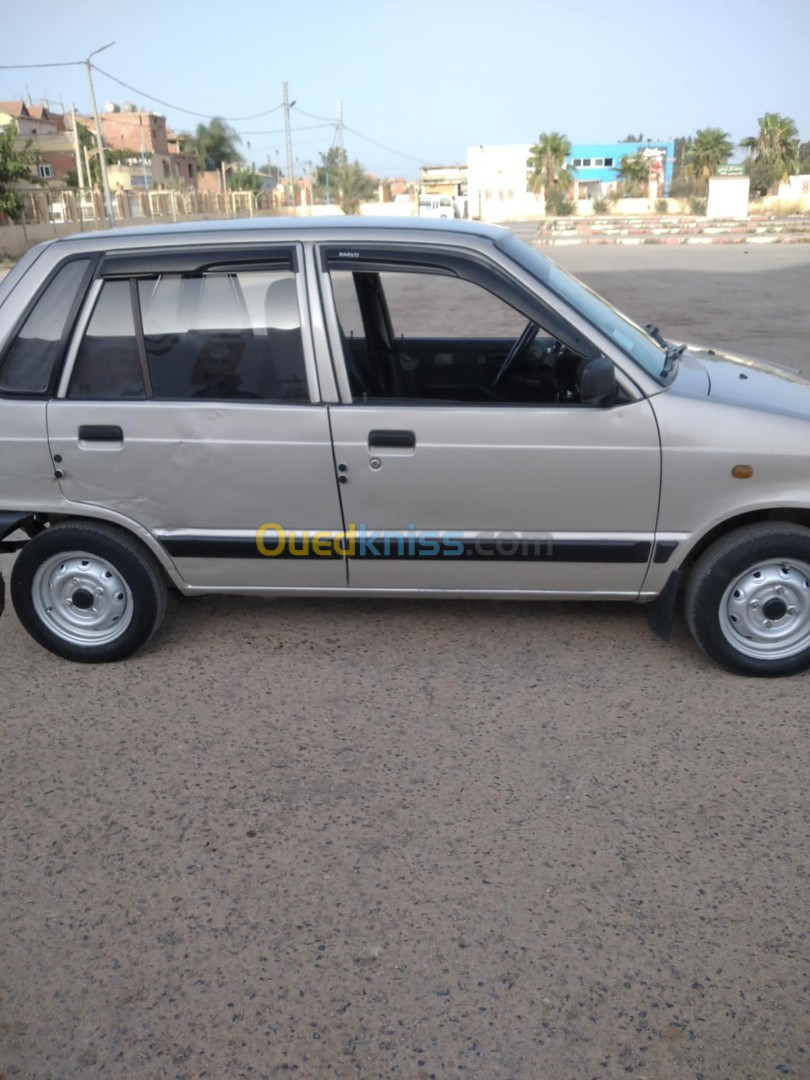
(99, 142)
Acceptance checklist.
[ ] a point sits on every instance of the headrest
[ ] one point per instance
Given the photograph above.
(281, 305)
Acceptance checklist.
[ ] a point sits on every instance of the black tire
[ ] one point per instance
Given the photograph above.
(88, 592)
(748, 600)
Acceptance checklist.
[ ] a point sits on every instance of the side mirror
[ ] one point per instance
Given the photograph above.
(597, 384)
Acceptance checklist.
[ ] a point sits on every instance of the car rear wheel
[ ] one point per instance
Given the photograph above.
(748, 600)
(88, 592)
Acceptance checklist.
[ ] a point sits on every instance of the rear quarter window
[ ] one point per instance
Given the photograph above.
(29, 364)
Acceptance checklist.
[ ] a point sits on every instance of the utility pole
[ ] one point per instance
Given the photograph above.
(288, 187)
(77, 149)
(99, 142)
(340, 130)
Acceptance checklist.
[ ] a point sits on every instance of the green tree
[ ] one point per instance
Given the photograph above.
(683, 144)
(634, 172)
(633, 138)
(710, 147)
(213, 144)
(326, 175)
(760, 176)
(245, 180)
(549, 173)
(356, 186)
(16, 166)
(775, 146)
(341, 181)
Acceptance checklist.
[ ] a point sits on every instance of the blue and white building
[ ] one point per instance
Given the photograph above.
(595, 166)
(498, 176)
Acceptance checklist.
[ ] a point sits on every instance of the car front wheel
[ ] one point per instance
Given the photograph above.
(88, 592)
(748, 600)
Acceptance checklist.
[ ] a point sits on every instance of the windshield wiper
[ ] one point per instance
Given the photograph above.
(673, 354)
(655, 334)
(672, 351)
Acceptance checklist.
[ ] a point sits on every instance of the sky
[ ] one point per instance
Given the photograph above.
(420, 82)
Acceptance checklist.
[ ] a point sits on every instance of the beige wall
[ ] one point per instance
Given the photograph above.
(796, 187)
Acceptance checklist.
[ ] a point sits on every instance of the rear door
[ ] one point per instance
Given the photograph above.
(190, 405)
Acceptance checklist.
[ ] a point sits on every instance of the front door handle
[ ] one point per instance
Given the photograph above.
(383, 440)
(101, 433)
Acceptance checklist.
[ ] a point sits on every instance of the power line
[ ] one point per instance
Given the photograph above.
(23, 67)
(313, 116)
(141, 93)
(328, 121)
(179, 108)
(398, 153)
(374, 142)
(280, 131)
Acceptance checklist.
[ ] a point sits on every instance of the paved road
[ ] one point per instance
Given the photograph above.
(377, 839)
(747, 297)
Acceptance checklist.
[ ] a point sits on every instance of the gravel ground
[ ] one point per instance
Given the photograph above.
(378, 839)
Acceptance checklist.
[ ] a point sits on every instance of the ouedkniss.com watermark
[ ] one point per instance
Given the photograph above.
(358, 541)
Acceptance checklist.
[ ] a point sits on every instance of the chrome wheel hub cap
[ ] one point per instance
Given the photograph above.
(765, 613)
(82, 598)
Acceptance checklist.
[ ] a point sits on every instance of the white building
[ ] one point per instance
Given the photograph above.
(497, 183)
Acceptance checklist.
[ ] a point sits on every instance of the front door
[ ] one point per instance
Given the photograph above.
(469, 460)
(189, 406)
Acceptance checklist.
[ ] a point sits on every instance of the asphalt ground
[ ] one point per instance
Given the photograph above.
(417, 839)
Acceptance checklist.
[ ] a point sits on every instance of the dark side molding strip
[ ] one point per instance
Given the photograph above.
(397, 545)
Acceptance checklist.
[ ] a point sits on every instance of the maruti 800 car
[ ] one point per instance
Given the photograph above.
(382, 408)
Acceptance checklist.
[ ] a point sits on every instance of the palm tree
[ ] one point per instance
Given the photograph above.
(547, 159)
(776, 145)
(635, 172)
(710, 147)
(214, 144)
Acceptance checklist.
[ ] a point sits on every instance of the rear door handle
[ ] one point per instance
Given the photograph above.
(384, 439)
(101, 433)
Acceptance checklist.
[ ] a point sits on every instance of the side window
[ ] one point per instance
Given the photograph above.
(434, 306)
(221, 336)
(30, 362)
(437, 338)
(224, 336)
(107, 364)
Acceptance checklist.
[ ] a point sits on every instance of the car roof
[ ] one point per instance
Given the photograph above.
(294, 227)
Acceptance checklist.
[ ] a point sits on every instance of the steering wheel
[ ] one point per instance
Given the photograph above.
(523, 342)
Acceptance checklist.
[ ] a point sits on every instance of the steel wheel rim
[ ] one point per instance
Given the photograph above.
(765, 612)
(82, 598)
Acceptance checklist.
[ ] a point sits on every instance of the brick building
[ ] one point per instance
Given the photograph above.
(47, 133)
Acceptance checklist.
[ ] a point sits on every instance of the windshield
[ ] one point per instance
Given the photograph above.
(630, 337)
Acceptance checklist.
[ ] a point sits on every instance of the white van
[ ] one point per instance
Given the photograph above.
(437, 206)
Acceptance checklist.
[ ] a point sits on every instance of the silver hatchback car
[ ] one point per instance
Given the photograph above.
(384, 408)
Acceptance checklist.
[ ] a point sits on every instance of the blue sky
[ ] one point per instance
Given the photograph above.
(426, 79)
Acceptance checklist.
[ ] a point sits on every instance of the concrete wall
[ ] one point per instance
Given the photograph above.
(795, 187)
